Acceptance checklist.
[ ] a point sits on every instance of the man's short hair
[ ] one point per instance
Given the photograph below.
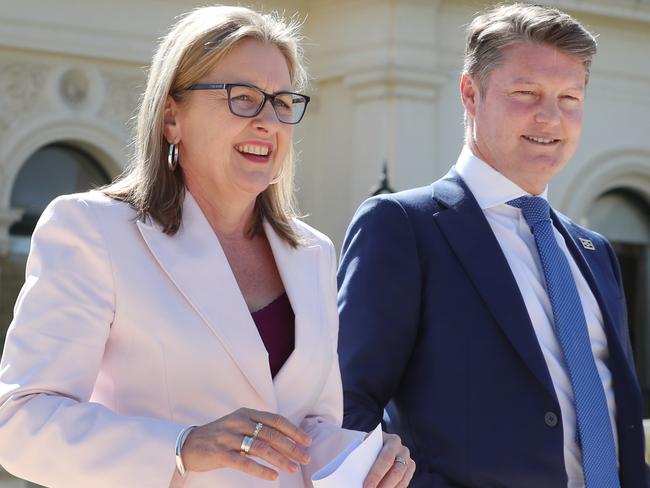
(504, 25)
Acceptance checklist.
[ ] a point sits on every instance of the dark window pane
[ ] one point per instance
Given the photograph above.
(56, 169)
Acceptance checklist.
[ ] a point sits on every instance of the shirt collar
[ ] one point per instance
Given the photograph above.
(489, 187)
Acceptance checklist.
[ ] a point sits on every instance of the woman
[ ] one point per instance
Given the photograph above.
(153, 341)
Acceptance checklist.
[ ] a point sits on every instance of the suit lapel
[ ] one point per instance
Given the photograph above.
(195, 262)
(300, 275)
(618, 361)
(472, 240)
(629, 403)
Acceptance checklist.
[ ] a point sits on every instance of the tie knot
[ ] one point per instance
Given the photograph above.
(535, 209)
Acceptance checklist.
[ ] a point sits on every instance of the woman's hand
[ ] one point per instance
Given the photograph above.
(219, 444)
(393, 468)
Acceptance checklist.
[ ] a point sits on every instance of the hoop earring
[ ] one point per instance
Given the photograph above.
(172, 157)
(278, 177)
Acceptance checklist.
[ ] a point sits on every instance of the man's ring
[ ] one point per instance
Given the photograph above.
(401, 460)
(246, 444)
(258, 428)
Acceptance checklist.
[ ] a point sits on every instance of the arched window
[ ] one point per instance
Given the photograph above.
(53, 170)
(623, 216)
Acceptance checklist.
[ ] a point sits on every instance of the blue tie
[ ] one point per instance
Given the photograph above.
(594, 428)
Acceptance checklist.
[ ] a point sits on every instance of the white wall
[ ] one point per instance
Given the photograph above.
(385, 88)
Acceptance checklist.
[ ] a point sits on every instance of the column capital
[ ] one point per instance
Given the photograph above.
(374, 36)
(393, 82)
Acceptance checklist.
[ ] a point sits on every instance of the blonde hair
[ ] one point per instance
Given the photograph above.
(194, 45)
(504, 25)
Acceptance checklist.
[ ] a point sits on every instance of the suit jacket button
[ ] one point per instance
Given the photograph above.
(550, 419)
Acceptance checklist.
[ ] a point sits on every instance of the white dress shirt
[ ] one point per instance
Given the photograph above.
(492, 190)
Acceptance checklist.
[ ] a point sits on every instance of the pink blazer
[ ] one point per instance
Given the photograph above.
(123, 336)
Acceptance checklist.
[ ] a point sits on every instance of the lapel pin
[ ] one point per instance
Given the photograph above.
(587, 244)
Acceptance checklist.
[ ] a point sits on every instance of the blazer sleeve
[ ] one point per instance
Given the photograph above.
(50, 431)
(379, 308)
(323, 423)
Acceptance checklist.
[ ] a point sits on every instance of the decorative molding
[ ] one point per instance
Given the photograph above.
(98, 138)
(22, 86)
(619, 86)
(393, 82)
(122, 97)
(319, 7)
(36, 92)
(635, 10)
(77, 40)
(359, 35)
(74, 87)
(619, 168)
(119, 30)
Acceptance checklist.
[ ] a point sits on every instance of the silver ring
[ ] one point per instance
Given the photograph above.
(400, 460)
(258, 428)
(246, 444)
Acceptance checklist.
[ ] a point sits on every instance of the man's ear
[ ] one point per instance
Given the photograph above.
(171, 126)
(469, 93)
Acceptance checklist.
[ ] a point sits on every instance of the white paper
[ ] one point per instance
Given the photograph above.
(351, 466)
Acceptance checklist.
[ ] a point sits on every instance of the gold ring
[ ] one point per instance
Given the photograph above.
(258, 428)
(400, 460)
(246, 444)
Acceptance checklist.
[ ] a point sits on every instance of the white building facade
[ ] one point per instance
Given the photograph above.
(385, 88)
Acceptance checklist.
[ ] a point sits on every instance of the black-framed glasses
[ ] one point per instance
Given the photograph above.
(248, 101)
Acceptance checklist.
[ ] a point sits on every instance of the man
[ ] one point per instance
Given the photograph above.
(496, 325)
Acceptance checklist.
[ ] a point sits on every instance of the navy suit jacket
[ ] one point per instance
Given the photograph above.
(431, 318)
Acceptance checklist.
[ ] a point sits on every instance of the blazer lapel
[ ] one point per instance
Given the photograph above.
(472, 240)
(195, 262)
(299, 271)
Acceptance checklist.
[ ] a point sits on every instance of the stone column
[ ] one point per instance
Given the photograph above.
(394, 109)
(376, 84)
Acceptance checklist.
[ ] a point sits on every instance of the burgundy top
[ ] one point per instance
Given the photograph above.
(276, 325)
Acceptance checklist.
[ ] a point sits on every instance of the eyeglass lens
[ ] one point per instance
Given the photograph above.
(246, 101)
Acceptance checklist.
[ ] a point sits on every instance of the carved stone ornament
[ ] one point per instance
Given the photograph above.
(122, 96)
(21, 86)
(74, 87)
